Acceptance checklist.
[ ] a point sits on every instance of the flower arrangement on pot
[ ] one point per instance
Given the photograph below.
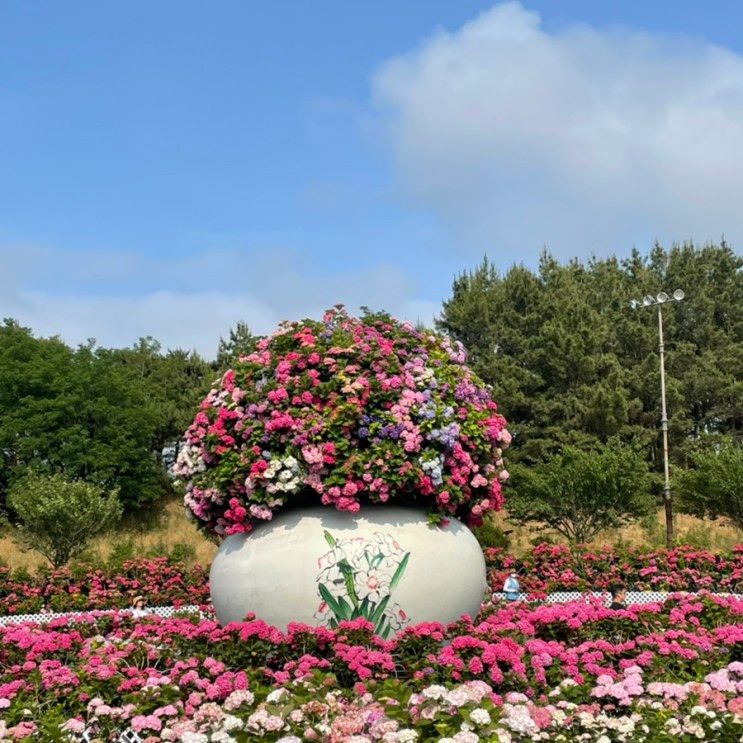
(345, 412)
(349, 409)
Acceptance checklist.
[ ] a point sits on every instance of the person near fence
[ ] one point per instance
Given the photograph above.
(618, 596)
(138, 607)
(512, 587)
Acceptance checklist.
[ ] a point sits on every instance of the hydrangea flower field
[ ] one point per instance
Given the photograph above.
(548, 568)
(545, 569)
(571, 672)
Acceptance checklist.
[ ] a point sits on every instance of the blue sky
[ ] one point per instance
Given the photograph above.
(170, 168)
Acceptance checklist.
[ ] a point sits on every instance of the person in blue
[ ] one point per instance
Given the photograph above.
(511, 587)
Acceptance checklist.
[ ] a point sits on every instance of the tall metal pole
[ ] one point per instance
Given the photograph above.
(667, 501)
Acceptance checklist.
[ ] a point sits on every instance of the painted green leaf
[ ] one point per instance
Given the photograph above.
(365, 608)
(382, 628)
(379, 610)
(347, 611)
(329, 538)
(399, 572)
(348, 576)
(329, 600)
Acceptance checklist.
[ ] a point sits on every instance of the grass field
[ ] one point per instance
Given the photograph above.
(172, 529)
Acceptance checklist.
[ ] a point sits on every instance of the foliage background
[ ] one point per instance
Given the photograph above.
(570, 363)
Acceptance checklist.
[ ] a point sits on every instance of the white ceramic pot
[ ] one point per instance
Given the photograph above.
(318, 566)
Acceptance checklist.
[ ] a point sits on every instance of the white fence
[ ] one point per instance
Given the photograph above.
(160, 611)
(633, 598)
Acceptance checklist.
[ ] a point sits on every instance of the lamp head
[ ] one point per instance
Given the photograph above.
(647, 300)
(678, 295)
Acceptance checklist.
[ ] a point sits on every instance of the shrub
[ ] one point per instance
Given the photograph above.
(714, 487)
(59, 517)
(581, 493)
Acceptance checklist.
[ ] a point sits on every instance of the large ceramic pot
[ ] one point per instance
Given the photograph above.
(319, 566)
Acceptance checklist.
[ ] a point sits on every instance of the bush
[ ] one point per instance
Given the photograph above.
(581, 493)
(714, 487)
(59, 517)
(491, 535)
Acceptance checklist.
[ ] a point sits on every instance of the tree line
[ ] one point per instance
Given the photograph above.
(107, 416)
(574, 369)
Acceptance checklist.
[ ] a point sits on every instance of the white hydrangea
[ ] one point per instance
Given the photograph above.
(457, 697)
(466, 737)
(480, 716)
(231, 722)
(435, 691)
(276, 695)
(222, 737)
(194, 738)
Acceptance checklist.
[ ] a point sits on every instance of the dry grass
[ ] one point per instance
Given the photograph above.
(170, 529)
(174, 528)
(718, 535)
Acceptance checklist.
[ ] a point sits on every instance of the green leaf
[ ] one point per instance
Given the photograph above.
(382, 628)
(346, 610)
(399, 572)
(329, 538)
(330, 601)
(348, 577)
(365, 608)
(379, 610)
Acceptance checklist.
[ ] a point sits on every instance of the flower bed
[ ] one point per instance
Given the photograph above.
(549, 568)
(526, 670)
(84, 588)
(546, 569)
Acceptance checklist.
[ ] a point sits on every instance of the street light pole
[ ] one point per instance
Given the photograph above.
(649, 301)
(667, 502)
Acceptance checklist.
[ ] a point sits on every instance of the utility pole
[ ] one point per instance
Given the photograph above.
(649, 301)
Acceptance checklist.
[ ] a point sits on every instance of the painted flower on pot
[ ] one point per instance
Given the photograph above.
(344, 411)
(356, 579)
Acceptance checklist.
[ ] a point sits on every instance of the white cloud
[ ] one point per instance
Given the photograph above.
(584, 139)
(85, 295)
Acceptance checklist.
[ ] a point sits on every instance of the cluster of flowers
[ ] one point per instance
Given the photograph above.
(547, 568)
(85, 587)
(340, 412)
(462, 713)
(518, 673)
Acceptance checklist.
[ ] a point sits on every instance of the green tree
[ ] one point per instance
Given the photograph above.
(241, 342)
(174, 382)
(713, 487)
(95, 414)
(59, 517)
(572, 365)
(581, 493)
